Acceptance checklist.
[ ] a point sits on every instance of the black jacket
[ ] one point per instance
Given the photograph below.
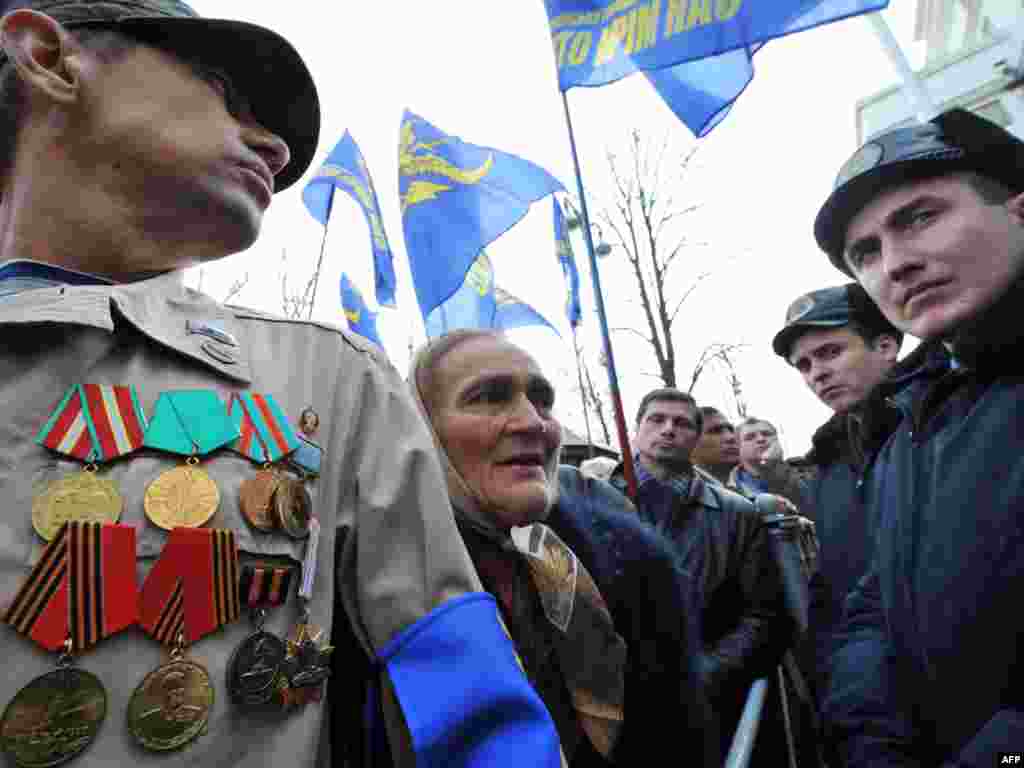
(926, 670)
(827, 486)
(723, 545)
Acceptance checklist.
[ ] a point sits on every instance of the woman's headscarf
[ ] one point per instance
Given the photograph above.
(591, 653)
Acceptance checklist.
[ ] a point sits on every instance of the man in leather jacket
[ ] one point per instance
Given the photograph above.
(723, 546)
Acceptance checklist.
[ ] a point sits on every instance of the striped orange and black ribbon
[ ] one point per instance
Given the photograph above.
(83, 587)
(265, 585)
(192, 589)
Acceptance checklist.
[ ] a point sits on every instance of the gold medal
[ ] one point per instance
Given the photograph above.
(171, 706)
(293, 508)
(81, 496)
(53, 718)
(184, 496)
(256, 497)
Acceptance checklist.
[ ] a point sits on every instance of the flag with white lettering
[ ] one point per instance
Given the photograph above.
(696, 53)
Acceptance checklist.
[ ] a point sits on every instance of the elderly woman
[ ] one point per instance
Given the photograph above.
(593, 600)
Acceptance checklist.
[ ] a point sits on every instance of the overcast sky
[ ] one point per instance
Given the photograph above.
(483, 70)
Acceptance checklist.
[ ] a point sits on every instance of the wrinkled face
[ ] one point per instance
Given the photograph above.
(667, 432)
(755, 439)
(933, 254)
(717, 443)
(840, 367)
(175, 144)
(492, 413)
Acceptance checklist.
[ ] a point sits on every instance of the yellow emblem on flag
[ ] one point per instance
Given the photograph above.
(415, 159)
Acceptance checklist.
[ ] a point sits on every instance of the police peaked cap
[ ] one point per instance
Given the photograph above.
(954, 141)
(264, 66)
(833, 307)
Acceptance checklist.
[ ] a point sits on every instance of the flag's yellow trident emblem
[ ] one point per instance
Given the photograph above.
(415, 159)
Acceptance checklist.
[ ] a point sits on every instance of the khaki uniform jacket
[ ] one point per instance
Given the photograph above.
(380, 479)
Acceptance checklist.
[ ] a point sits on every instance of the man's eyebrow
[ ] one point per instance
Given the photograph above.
(895, 220)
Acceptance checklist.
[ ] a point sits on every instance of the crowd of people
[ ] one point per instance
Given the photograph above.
(256, 542)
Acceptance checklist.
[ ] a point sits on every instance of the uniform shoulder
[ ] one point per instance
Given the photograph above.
(352, 340)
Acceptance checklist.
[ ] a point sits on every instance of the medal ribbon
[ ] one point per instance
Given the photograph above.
(190, 422)
(83, 585)
(95, 422)
(262, 585)
(193, 586)
(266, 434)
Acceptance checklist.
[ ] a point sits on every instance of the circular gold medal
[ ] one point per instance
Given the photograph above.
(53, 718)
(184, 496)
(171, 706)
(256, 499)
(80, 496)
(293, 508)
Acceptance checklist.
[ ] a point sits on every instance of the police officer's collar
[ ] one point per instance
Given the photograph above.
(161, 308)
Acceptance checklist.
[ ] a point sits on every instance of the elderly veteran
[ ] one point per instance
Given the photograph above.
(591, 596)
(155, 490)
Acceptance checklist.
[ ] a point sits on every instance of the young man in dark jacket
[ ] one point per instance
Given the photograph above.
(722, 544)
(843, 347)
(930, 220)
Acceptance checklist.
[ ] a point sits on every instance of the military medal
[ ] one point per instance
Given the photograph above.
(254, 673)
(93, 423)
(171, 706)
(189, 423)
(191, 591)
(306, 664)
(54, 718)
(80, 591)
(265, 437)
(293, 507)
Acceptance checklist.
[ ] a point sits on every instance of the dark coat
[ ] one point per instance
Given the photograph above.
(646, 592)
(827, 486)
(925, 670)
(722, 544)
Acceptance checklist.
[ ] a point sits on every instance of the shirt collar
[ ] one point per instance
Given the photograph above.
(162, 308)
(17, 275)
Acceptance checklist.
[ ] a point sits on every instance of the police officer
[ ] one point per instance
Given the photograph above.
(140, 139)
(929, 219)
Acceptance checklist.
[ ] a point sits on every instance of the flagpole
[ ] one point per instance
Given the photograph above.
(316, 275)
(613, 379)
(583, 395)
(914, 91)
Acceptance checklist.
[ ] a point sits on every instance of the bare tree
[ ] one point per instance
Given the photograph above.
(649, 219)
(716, 352)
(235, 289)
(296, 305)
(594, 400)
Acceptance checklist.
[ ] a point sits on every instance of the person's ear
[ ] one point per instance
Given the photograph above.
(38, 47)
(1015, 205)
(886, 345)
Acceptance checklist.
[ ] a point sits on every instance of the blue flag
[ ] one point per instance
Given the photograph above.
(472, 306)
(456, 199)
(696, 53)
(360, 319)
(479, 303)
(346, 169)
(563, 248)
(512, 312)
